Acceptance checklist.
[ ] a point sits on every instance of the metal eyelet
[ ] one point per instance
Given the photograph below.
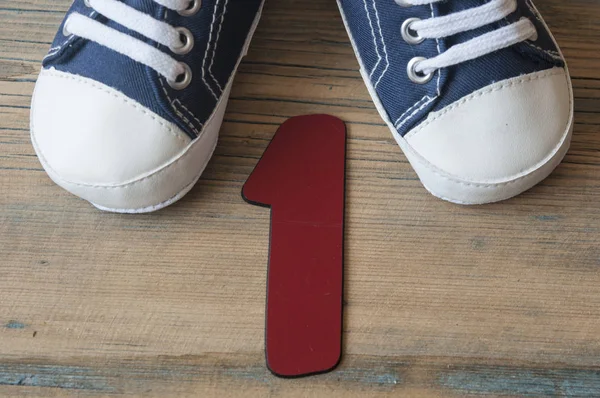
(403, 3)
(187, 40)
(409, 35)
(194, 7)
(183, 80)
(413, 75)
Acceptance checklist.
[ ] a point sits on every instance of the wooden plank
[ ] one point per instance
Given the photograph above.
(441, 300)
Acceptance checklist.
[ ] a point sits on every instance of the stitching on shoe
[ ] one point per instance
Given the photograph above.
(374, 41)
(401, 122)
(387, 61)
(177, 112)
(212, 57)
(206, 52)
(411, 108)
(429, 100)
(176, 102)
(491, 185)
(535, 14)
(552, 54)
(437, 43)
(139, 108)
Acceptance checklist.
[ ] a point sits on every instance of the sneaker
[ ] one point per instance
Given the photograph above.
(476, 92)
(127, 108)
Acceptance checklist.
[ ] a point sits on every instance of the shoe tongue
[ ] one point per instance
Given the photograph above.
(448, 7)
(146, 6)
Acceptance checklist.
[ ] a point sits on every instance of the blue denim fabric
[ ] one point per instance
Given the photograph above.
(375, 28)
(212, 62)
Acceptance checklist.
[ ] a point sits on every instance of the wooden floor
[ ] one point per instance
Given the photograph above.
(441, 300)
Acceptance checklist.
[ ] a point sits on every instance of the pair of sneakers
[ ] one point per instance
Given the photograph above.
(130, 99)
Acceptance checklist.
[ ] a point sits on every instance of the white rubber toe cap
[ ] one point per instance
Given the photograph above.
(104, 147)
(497, 142)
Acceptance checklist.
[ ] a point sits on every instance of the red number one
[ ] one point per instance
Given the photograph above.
(301, 176)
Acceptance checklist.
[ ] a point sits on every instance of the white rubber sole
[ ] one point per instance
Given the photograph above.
(452, 188)
(209, 137)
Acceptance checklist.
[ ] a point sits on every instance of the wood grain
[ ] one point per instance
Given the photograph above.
(441, 300)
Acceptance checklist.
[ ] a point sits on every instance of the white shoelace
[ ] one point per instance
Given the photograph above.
(137, 21)
(415, 31)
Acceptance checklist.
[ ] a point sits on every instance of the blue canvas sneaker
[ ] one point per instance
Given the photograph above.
(128, 105)
(476, 92)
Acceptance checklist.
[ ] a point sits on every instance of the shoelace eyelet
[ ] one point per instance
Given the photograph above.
(187, 40)
(183, 80)
(194, 7)
(409, 35)
(415, 76)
